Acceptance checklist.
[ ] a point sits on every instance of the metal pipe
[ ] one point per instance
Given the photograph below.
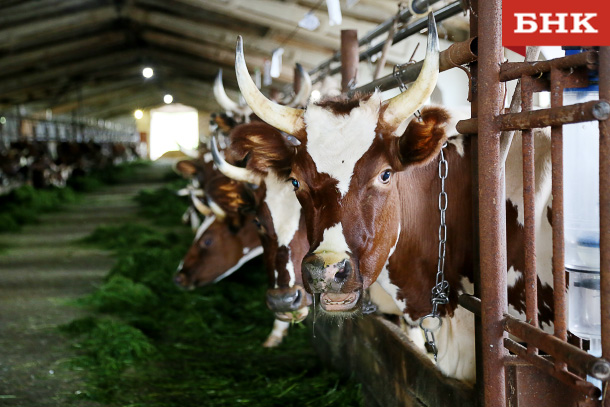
(515, 70)
(604, 206)
(471, 303)
(377, 31)
(529, 203)
(547, 367)
(555, 116)
(492, 213)
(457, 54)
(558, 262)
(349, 59)
(413, 28)
(558, 348)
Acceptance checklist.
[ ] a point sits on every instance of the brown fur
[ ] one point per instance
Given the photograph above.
(269, 143)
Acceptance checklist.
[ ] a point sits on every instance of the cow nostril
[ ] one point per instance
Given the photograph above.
(297, 298)
(342, 275)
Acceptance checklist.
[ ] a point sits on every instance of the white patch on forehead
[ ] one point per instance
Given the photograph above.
(333, 240)
(284, 208)
(204, 226)
(336, 142)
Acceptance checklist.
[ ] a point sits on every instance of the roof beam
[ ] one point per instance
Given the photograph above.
(28, 11)
(208, 52)
(65, 71)
(223, 38)
(44, 54)
(12, 36)
(284, 18)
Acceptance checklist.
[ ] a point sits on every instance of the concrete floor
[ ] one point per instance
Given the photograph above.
(41, 269)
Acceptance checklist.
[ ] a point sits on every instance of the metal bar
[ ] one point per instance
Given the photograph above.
(515, 70)
(377, 31)
(413, 28)
(559, 279)
(471, 303)
(558, 348)
(349, 59)
(473, 96)
(555, 116)
(492, 212)
(604, 208)
(529, 204)
(457, 54)
(548, 367)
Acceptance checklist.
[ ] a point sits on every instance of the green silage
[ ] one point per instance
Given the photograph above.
(152, 344)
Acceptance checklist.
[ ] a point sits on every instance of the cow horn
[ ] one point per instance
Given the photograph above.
(221, 96)
(300, 99)
(189, 152)
(400, 107)
(287, 119)
(231, 171)
(200, 206)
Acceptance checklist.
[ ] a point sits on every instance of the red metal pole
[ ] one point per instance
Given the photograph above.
(492, 217)
(529, 204)
(559, 279)
(604, 208)
(349, 59)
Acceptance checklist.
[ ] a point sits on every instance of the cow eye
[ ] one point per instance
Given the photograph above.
(207, 242)
(257, 222)
(384, 177)
(295, 183)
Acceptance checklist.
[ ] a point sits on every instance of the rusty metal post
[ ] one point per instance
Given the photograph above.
(296, 84)
(604, 208)
(492, 209)
(529, 203)
(474, 150)
(349, 59)
(559, 279)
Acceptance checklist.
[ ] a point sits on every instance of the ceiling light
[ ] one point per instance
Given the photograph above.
(138, 114)
(168, 99)
(147, 72)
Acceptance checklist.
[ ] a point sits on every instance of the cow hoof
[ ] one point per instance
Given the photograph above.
(273, 341)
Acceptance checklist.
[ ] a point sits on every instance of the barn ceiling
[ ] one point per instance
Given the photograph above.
(86, 56)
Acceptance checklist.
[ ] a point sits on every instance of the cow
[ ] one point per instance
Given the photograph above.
(226, 240)
(278, 217)
(370, 199)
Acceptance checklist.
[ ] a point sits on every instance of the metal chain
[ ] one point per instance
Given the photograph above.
(440, 292)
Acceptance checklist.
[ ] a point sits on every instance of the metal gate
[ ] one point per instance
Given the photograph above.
(508, 373)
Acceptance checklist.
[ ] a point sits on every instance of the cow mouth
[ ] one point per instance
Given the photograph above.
(338, 302)
(293, 317)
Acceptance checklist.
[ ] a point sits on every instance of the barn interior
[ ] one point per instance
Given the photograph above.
(100, 102)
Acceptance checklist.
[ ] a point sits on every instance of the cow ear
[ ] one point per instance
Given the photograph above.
(423, 138)
(263, 147)
(187, 168)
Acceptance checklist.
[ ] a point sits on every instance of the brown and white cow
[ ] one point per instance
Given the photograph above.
(278, 217)
(370, 201)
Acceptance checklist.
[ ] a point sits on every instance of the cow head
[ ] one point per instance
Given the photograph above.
(226, 239)
(278, 216)
(344, 174)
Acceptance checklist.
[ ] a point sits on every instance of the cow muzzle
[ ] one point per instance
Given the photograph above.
(286, 299)
(335, 281)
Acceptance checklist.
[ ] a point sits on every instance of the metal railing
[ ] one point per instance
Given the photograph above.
(563, 361)
(14, 128)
